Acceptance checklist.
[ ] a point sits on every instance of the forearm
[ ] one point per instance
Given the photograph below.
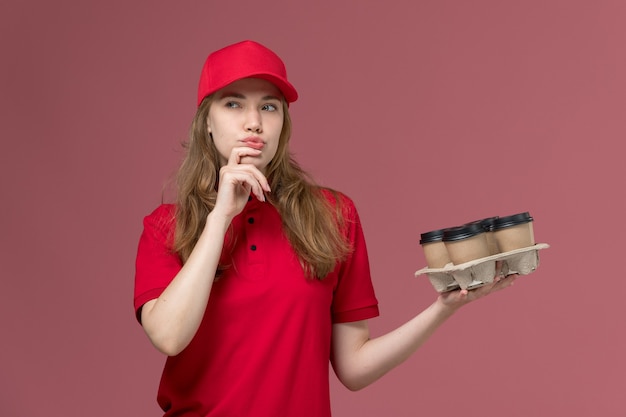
(171, 320)
(359, 360)
(372, 358)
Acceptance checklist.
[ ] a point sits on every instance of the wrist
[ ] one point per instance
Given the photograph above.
(443, 308)
(217, 223)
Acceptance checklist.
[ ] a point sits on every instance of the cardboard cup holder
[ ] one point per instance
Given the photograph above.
(476, 273)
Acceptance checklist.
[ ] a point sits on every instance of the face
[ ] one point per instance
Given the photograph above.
(247, 113)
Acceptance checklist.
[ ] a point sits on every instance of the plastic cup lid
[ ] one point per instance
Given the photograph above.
(512, 220)
(462, 232)
(486, 223)
(432, 236)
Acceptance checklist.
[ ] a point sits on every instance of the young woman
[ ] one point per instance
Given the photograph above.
(256, 278)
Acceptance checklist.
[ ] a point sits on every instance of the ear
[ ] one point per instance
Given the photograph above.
(208, 123)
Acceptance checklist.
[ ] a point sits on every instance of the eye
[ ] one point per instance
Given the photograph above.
(269, 107)
(232, 105)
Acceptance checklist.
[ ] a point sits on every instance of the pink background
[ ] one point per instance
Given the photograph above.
(427, 113)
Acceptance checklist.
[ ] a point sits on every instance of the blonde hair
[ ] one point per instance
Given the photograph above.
(313, 225)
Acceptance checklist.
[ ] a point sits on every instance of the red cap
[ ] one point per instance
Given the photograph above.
(243, 60)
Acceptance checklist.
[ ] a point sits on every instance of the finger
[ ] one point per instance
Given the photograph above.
(499, 268)
(510, 279)
(235, 160)
(237, 153)
(503, 283)
(245, 178)
(260, 181)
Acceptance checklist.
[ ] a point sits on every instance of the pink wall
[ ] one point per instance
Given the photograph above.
(427, 113)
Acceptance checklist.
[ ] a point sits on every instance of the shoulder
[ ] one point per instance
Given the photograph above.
(164, 212)
(335, 197)
(340, 202)
(162, 219)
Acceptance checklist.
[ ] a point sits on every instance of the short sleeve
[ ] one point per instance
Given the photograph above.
(354, 298)
(156, 263)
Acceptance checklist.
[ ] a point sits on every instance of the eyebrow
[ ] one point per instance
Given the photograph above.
(228, 94)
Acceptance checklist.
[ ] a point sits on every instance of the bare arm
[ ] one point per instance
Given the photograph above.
(358, 360)
(172, 320)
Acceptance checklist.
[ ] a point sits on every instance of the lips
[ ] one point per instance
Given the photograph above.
(254, 143)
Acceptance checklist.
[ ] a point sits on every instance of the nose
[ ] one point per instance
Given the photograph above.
(253, 121)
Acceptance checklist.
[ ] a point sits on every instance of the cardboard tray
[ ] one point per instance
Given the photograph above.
(482, 271)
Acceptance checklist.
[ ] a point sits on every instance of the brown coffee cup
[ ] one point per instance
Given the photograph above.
(434, 249)
(466, 243)
(487, 224)
(514, 232)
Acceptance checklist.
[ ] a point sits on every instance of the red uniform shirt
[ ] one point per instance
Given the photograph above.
(263, 347)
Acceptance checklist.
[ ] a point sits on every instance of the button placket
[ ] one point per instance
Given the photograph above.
(252, 233)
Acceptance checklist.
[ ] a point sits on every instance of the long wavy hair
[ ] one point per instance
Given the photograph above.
(313, 224)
